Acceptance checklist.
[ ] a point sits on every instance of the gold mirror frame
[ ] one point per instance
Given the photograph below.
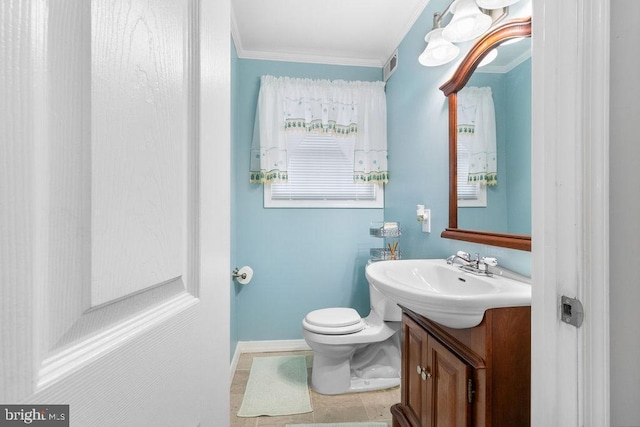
(513, 29)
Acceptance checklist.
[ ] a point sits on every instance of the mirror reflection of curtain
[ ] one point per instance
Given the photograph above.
(291, 109)
(477, 132)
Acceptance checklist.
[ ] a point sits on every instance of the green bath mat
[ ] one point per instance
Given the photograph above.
(340, 425)
(276, 386)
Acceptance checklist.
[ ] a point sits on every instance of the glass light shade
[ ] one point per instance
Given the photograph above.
(468, 22)
(438, 51)
(512, 41)
(493, 53)
(495, 4)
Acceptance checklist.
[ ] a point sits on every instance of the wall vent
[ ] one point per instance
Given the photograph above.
(390, 66)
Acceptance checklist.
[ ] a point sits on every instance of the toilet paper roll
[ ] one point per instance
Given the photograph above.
(244, 275)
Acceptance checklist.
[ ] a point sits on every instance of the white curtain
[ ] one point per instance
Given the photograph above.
(477, 132)
(289, 109)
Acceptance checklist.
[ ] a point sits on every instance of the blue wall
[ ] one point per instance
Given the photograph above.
(418, 151)
(509, 202)
(519, 152)
(305, 259)
(418, 145)
(493, 217)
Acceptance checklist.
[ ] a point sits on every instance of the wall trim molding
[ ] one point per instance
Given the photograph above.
(309, 59)
(265, 347)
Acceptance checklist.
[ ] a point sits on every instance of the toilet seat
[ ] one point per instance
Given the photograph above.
(334, 321)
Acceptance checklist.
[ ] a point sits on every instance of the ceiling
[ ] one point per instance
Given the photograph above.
(341, 32)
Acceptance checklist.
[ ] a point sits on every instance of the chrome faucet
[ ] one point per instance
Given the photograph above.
(464, 257)
(479, 265)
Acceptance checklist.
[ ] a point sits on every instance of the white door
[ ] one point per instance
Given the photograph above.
(570, 366)
(114, 201)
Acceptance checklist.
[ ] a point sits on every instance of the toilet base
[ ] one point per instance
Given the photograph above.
(352, 369)
(355, 385)
(372, 384)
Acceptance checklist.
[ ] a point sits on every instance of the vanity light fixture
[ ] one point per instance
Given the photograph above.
(468, 22)
(471, 19)
(493, 53)
(495, 4)
(512, 41)
(439, 51)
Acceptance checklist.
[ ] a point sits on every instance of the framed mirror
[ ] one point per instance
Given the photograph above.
(475, 229)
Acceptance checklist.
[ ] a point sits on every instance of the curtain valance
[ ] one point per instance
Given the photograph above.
(290, 109)
(477, 132)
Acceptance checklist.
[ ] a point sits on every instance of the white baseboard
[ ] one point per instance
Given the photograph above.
(265, 347)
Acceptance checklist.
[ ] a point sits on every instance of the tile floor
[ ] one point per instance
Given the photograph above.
(353, 407)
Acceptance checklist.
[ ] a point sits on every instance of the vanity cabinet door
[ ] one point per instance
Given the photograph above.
(414, 374)
(450, 406)
(435, 380)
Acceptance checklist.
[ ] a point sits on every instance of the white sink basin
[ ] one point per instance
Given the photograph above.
(444, 293)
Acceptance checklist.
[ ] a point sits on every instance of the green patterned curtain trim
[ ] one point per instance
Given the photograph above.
(371, 178)
(316, 126)
(466, 129)
(486, 178)
(261, 177)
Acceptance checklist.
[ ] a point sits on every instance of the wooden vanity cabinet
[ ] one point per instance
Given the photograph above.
(466, 377)
(436, 389)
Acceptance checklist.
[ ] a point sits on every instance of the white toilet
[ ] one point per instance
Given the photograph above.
(351, 354)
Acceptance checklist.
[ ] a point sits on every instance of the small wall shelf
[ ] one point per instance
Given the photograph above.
(390, 232)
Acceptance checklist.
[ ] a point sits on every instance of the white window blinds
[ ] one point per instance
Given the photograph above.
(321, 172)
(470, 194)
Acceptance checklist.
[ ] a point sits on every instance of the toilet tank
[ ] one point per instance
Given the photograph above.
(387, 309)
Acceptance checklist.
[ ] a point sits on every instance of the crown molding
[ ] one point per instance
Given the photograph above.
(326, 58)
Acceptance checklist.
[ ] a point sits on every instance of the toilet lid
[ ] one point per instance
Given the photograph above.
(334, 321)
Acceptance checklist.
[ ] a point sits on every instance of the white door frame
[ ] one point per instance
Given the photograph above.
(215, 204)
(570, 367)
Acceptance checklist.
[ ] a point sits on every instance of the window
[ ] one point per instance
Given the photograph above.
(469, 194)
(477, 157)
(320, 174)
(320, 143)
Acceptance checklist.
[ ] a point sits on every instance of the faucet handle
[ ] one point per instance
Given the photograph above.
(490, 261)
(464, 255)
